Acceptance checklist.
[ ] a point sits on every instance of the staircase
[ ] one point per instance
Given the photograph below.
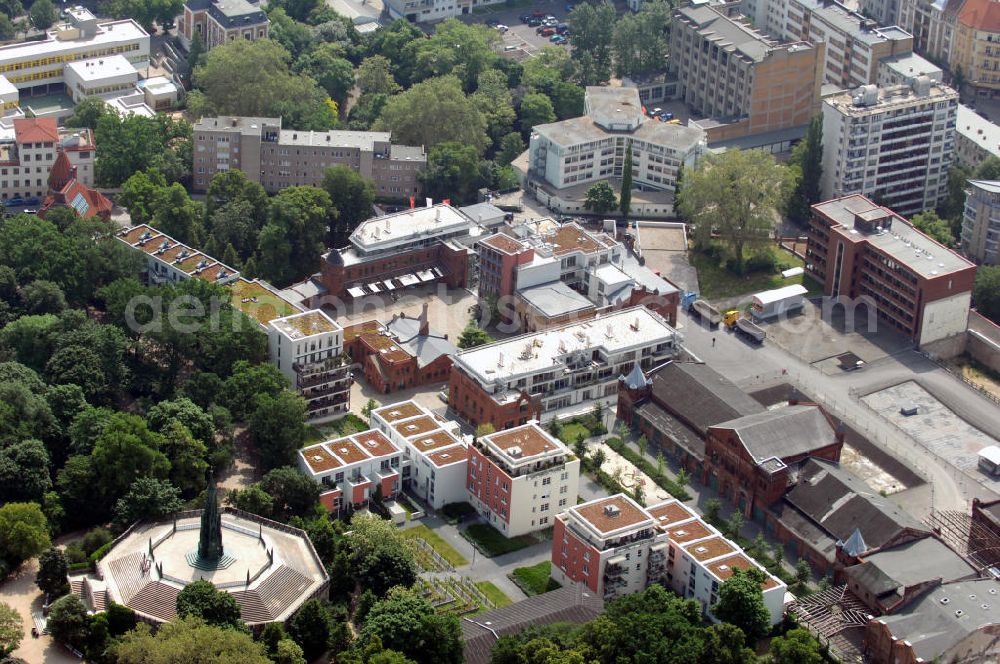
(127, 572)
(270, 599)
(156, 599)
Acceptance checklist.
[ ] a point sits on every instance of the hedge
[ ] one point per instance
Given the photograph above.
(666, 483)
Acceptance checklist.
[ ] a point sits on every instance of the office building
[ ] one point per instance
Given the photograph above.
(436, 458)
(905, 69)
(559, 372)
(353, 468)
(614, 547)
(981, 222)
(219, 21)
(278, 158)
(28, 157)
(895, 144)
(744, 82)
(38, 67)
(415, 246)
(885, 12)
(308, 349)
(932, 24)
(976, 138)
(565, 158)
(857, 249)
(520, 479)
(422, 11)
(973, 49)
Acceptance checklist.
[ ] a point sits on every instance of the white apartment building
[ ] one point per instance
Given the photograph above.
(981, 222)
(308, 348)
(421, 11)
(436, 458)
(27, 156)
(170, 261)
(353, 468)
(40, 65)
(521, 478)
(932, 24)
(614, 547)
(976, 138)
(906, 68)
(895, 144)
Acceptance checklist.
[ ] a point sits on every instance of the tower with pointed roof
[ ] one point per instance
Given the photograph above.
(210, 541)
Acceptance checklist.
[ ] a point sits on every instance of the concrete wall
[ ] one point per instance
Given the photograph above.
(944, 318)
(983, 342)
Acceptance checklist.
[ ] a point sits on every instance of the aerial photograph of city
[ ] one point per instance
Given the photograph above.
(500, 331)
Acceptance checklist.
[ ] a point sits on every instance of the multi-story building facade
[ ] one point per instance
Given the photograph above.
(854, 42)
(436, 458)
(170, 261)
(981, 222)
(614, 547)
(37, 67)
(353, 468)
(308, 349)
(27, 160)
(857, 249)
(565, 157)
(744, 81)
(277, 158)
(421, 11)
(418, 245)
(752, 466)
(521, 478)
(932, 24)
(976, 138)
(905, 70)
(895, 144)
(559, 372)
(219, 21)
(974, 49)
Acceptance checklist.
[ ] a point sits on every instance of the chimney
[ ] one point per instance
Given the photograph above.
(425, 326)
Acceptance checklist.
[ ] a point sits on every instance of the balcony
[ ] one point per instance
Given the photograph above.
(341, 399)
(325, 391)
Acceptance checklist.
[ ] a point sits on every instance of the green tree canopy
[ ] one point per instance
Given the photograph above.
(310, 628)
(600, 198)
(741, 603)
(25, 532)
(592, 27)
(797, 646)
(639, 41)
(986, 292)
(353, 196)
(432, 112)
(536, 109)
(87, 113)
(452, 172)
(52, 571)
(11, 629)
(734, 195)
(68, 621)
(409, 624)
(200, 599)
(276, 428)
(147, 498)
(930, 223)
(136, 143)
(473, 336)
(188, 640)
(43, 14)
(375, 76)
(807, 165)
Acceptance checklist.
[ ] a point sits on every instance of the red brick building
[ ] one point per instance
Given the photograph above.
(65, 190)
(749, 460)
(858, 249)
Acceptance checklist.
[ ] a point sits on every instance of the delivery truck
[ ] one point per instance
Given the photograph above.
(743, 326)
(778, 302)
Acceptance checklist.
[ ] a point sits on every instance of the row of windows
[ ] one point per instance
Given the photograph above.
(68, 57)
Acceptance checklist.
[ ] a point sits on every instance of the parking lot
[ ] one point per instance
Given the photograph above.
(521, 36)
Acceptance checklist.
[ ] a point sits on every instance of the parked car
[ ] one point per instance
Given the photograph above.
(657, 111)
(562, 28)
(545, 31)
(558, 39)
(502, 28)
(524, 18)
(534, 20)
(666, 116)
(17, 201)
(32, 200)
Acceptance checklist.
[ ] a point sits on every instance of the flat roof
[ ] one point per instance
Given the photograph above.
(96, 69)
(503, 243)
(682, 533)
(319, 459)
(236, 123)
(398, 411)
(630, 514)
(972, 127)
(375, 443)
(537, 351)
(575, 131)
(902, 241)
(416, 426)
(108, 33)
(304, 325)
(729, 34)
(723, 569)
(889, 98)
(434, 440)
(708, 549)
(555, 298)
(362, 140)
(347, 450)
(262, 305)
(670, 512)
(529, 438)
(407, 226)
(449, 456)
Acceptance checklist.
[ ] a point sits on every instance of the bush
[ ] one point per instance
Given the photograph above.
(100, 553)
(75, 554)
(95, 539)
(762, 262)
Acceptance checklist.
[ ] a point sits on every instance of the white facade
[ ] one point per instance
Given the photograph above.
(354, 467)
(980, 239)
(976, 138)
(421, 11)
(945, 317)
(895, 144)
(932, 24)
(100, 77)
(303, 339)
(436, 457)
(37, 63)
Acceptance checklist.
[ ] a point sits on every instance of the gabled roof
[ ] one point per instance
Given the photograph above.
(699, 395)
(61, 173)
(908, 565)
(983, 15)
(783, 432)
(36, 130)
(425, 347)
(839, 502)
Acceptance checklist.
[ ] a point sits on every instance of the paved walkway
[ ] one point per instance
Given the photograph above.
(21, 593)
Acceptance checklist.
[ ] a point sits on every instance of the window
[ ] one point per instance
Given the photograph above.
(546, 481)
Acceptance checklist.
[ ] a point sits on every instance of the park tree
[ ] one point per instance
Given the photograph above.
(310, 627)
(147, 498)
(625, 197)
(929, 223)
(11, 629)
(734, 196)
(68, 621)
(639, 41)
(379, 557)
(52, 571)
(452, 172)
(375, 76)
(252, 499)
(187, 457)
(183, 411)
(593, 29)
(200, 599)
(333, 73)
(494, 100)
(141, 194)
(536, 109)
(126, 450)
(600, 198)
(473, 336)
(409, 624)
(294, 238)
(726, 644)
(288, 652)
(353, 195)
(133, 143)
(43, 14)
(434, 111)
(807, 166)
(25, 533)
(42, 297)
(188, 640)
(248, 380)
(276, 428)
(7, 29)
(796, 646)
(986, 292)
(292, 492)
(455, 48)
(511, 147)
(24, 471)
(87, 113)
(741, 603)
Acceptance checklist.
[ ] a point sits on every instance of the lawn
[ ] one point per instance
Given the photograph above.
(535, 580)
(345, 426)
(718, 283)
(493, 593)
(569, 432)
(491, 541)
(445, 550)
(258, 302)
(457, 512)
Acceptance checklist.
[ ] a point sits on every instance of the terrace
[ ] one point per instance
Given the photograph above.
(433, 441)
(448, 456)
(376, 444)
(319, 460)
(259, 303)
(416, 426)
(399, 411)
(709, 549)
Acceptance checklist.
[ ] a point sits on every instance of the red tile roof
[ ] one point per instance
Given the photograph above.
(62, 172)
(983, 15)
(36, 130)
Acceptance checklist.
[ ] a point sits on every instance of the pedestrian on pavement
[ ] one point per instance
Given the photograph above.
(713, 342)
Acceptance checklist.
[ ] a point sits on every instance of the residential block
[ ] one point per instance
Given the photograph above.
(353, 468)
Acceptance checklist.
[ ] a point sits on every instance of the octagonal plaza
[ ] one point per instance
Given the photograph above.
(268, 567)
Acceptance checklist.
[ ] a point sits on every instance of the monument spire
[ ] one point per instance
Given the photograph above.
(210, 540)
